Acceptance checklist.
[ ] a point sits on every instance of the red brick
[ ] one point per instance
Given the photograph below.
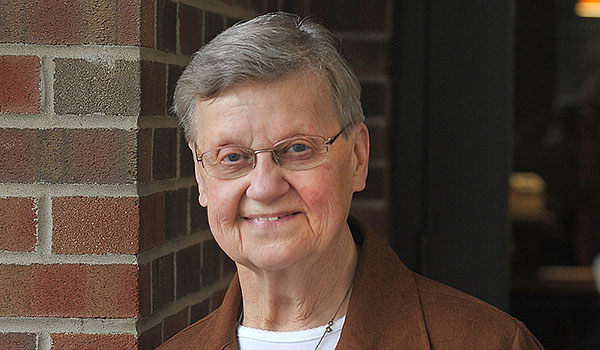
(199, 311)
(89, 225)
(54, 22)
(13, 21)
(62, 341)
(17, 341)
(163, 281)
(294, 6)
(367, 58)
(99, 22)
(376, 184)
(174, 72)
(20, 88)
(379, 144)
(164, 155)
(190, 29)
(198, 214)
(343, 15)
(18, 222)
(258, 5)
(186, 158)
(128, 28)
(144, 155)
(152, 222)
(227, 265)
(153, 98)
(213, 25)
(174, 323)
(17, 153)
(374, 99)
(176, 213)
(86, 156)
(188, 263)
(166, 25)
(16, 292)
(211, 262)
(70, 290)
(147, 19)
(151, 338)
(110, 22)
(145, 285)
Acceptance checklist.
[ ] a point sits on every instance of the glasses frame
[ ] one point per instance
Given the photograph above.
(327, 141)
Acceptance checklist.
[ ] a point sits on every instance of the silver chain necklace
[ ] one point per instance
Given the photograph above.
(328, 328)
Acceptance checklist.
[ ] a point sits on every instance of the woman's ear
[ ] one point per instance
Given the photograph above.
(202, 199)
(360, 157)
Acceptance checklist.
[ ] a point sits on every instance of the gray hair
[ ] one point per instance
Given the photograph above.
(266, 48)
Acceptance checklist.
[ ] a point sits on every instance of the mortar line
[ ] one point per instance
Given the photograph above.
(178, 155)
(173, 246)
(47, 325)
(46, 86)
(157, 121)
(48, 120)
(373, 36)
(44, 244)
(68, 190)
(218, 7)
(11, 258)
(375, 78)
(369, 204)
(44, 341)
(177, 29)
(157, 186)
(93, 52)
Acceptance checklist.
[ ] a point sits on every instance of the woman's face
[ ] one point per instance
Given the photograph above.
(273, 218)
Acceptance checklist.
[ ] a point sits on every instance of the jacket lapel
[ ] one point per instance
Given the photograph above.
(224, 335)
(385, 307)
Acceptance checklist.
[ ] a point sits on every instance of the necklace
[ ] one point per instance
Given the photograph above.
(328, 328)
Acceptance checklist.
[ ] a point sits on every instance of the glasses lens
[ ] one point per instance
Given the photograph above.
(301, 153)
(227, 162)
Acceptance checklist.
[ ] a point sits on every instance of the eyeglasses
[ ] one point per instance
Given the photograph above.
(294, 153)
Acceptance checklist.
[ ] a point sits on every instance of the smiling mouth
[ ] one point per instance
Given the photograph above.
(269, 218)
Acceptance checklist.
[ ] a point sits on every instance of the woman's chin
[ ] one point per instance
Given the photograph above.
(273, 260)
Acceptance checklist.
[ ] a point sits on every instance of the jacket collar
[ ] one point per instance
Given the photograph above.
(384, 308)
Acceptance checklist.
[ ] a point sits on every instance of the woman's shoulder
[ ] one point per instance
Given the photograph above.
(454, 318)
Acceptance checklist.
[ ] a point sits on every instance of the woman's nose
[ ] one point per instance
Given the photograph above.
(266, 179)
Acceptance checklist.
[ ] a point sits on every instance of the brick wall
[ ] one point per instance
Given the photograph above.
(102, 242)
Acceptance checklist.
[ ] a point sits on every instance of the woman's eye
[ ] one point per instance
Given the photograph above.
(231, 157)
(298, 147)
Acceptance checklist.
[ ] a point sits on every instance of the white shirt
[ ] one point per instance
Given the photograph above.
(306, 339)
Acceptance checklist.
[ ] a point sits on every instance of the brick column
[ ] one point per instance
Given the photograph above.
(102, 242)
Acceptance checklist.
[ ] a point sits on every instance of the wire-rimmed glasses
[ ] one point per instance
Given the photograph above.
(294, 153)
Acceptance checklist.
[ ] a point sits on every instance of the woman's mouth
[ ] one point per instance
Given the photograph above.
(269, 218)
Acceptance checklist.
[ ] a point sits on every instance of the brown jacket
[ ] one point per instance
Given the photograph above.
(390, 308)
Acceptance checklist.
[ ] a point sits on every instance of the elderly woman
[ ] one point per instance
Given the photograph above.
(272, 115)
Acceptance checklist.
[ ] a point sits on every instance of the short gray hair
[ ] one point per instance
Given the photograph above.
(266, 48)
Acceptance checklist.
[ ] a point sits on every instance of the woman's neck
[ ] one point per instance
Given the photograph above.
(302, 296)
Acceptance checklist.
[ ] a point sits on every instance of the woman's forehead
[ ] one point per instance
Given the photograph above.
(295, 105)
